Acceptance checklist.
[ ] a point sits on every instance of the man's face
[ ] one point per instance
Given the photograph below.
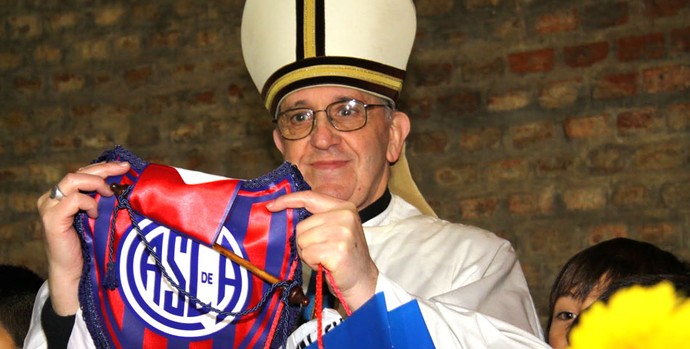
(350, 166)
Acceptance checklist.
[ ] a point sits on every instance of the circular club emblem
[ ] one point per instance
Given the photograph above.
(195, 268)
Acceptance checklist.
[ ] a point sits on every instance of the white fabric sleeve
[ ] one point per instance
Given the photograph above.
(36, 338)
(478, 314)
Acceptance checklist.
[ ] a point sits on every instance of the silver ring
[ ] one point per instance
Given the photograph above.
(56, 193)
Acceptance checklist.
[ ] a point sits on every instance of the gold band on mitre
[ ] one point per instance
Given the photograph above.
(381, 80)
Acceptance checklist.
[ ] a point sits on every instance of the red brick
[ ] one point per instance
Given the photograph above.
(480, 70)
(185, 133)
(108, 16)
(65, 142)
(236, 94)
(28, 85)
(593, 126)
(435, 7)
(22, 202)
(9, 60)
(459, 103)
(608, 159)
(666, 79)
(643, 47)
(204, 98)
(478, 207)
(557, 22)
(531, 61)
(531, 134)
(660, 234)
(473, 4)
(512, 100)
(27, 146)
(81, 110)
(584, 199)
(432, 74)
(677, 194)
(480, 138)
(128, 44)
(14, 121)
(532, 203)
(508, 28)
(456, 174)
(432, 142)
(554, 166)
(12, 174)
(47, 54)
(146, 13)
(97, 49)
(585, 55)
(103, 79)
(24, 27)
(663, 8)
(680, 39)
(162, 103)
(615, 86)
(207, 38)
(98, 140)
(679, 117)
(45, 117)
(661, 156)
(185, 71)
(63, 21)
(642, 121)
(631, 195)
(605, 232)
(138, 76)
(508, 170)
(559, 94)
(68, 82)
(602, 15)
(551, 241)
(169, 39)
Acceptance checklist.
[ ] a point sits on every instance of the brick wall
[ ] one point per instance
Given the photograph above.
(555, 124)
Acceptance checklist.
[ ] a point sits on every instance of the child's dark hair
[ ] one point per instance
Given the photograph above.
(608, 261)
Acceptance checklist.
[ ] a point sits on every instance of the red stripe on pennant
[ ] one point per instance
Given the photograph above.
(207, 344)
(196, 210)
(153, 340)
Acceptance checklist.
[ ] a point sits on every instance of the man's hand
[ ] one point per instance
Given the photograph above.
(333, 237)
(63, 248)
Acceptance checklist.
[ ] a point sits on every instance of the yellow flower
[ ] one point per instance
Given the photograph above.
(636, 317)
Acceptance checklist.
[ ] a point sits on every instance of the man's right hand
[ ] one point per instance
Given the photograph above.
(63, 248)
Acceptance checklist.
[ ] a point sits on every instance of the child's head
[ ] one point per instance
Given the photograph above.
(17, 292)
(588, 273)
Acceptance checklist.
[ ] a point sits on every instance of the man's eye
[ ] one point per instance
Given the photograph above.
(346, 111)
(298, 118)
(349, 112)
(566, 316)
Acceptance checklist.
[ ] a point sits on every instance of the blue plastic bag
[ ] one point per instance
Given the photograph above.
(373, 327)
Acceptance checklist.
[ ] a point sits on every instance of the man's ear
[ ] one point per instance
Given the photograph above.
(278, 141)
(398, 131)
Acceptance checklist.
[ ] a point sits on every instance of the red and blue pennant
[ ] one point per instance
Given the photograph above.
(152, 278)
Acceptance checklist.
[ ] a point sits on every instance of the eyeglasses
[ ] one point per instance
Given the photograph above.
(345, 116)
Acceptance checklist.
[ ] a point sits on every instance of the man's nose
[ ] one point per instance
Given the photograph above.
(324, 134)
